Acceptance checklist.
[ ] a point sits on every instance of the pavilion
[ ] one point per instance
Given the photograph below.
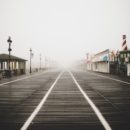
(17, 65)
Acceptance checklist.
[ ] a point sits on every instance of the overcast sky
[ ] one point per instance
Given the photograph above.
(63, 30)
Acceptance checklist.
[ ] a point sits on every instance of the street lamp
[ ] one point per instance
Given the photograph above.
(40, 61)
(30, 60)
(9, 49)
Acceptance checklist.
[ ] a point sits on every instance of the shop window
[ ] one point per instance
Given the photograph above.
(128, 54)
(124, 55)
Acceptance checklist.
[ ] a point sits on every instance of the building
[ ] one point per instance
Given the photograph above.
(110, 62)
(17, 65)
(124, 61)
(99, 62)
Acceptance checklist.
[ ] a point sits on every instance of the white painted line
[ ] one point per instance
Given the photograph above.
(95, 109)
(27, 77)
(37, 109)
(110, 78)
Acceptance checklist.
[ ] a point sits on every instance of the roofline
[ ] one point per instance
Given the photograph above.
(17, 58)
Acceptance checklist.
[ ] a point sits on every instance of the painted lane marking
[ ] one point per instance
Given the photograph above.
(37, 109)
(95, 109)
(110, 78)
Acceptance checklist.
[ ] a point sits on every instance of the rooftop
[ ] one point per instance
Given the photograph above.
(5, 57)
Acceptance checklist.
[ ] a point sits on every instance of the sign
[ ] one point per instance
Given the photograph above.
(102, 56)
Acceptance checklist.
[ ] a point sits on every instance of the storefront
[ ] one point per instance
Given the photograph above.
(100, 62)
(124, 61)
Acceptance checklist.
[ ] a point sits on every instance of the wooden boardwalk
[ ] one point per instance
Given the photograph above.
(65, 108)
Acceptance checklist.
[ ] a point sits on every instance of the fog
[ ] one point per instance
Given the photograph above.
(63, 30)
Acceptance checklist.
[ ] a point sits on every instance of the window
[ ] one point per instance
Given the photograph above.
(128, 54)
(122, 55)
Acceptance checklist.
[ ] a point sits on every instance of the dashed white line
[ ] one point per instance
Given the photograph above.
(37, 109)
(95, 109)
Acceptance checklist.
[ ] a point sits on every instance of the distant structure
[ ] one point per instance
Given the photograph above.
(114, 62)
(124, 57)
(17, 65)
(99, 62)
(124, 44)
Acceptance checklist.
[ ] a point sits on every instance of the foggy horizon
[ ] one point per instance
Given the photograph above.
(63, 31)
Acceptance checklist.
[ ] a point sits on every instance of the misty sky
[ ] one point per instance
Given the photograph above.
(63, 30)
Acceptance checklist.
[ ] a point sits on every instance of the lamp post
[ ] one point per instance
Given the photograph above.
(9, 49)
(30, 60)
(40, 61)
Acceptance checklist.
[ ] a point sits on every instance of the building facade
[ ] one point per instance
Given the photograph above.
(99, 62)
(109, 62)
